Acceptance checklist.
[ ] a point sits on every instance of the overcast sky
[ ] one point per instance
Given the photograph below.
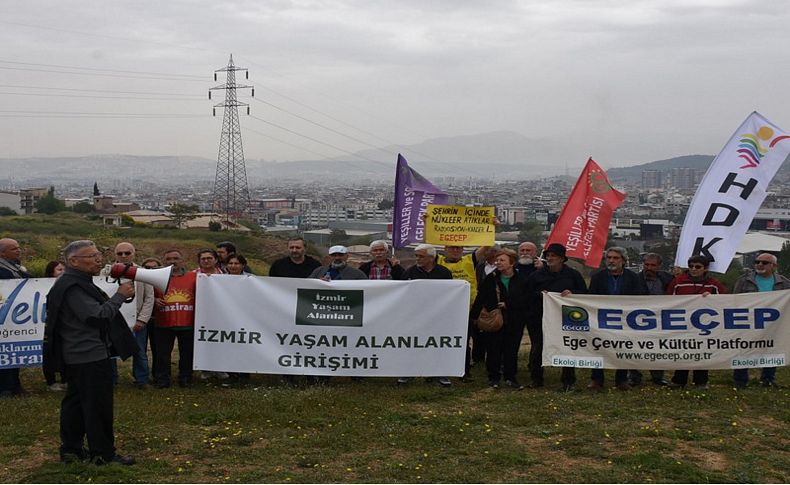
(626, 82)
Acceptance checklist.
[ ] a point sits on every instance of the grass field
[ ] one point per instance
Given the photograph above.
(375, 431)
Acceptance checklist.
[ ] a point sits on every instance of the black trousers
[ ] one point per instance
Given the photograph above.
(49, 372)
(502, 351)
(165, 338)
(152, 342)
(620, 376)
(86, 410)
(9, 381)
(700, 377)
(535, 331)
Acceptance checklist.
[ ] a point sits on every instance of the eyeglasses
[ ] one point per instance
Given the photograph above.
(696, 266)
(760, 261)
(123, 253)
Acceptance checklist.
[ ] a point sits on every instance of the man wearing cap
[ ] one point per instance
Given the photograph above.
(554, 276)
(338, 269)
(764, 278)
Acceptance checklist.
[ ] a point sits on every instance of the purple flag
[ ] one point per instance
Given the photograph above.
(413, 193)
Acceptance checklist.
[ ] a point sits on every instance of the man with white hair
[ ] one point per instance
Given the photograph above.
(380, 267)
(85, 329)
(426, 269)
(764, 278)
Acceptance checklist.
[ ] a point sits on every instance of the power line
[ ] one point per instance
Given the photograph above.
(99, 74)
(260, 133)
(99, 90)
(100, 69)
(318, 124)
(196, 98)
(314, 139)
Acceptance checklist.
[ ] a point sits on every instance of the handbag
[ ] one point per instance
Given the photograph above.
(491, 321)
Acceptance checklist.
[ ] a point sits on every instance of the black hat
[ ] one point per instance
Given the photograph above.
(558, 249)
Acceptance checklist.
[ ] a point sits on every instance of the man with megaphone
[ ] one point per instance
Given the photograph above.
(144, 301)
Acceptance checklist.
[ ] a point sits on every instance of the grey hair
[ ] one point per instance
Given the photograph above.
(653, 257)
(429, 250)
(620, 250)
(772, 256)
(380, 242)
(74, 246)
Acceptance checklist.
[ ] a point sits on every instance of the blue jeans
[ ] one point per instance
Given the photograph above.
(140, 359)
(741, 376)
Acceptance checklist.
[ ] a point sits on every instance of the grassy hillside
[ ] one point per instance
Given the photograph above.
(42, 237)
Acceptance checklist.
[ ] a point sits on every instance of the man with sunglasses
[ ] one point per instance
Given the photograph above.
(764, 278)
(144, 300)
(695, 282)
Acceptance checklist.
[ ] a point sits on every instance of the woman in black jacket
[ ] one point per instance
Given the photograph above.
(502, 346)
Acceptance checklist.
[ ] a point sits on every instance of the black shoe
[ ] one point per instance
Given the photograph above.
(568, 388)
(71, 457)
(660, 382)
(514, 384)
(116, 459)
(493, 384)
(770, 383)
(185, 383)
(675, 385)
(740, 385)
(534, 385)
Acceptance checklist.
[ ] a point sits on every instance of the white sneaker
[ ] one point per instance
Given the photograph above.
(222, 375)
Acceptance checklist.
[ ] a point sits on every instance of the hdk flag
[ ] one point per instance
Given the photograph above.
(413, 193)
(731, 192)
(583, 225)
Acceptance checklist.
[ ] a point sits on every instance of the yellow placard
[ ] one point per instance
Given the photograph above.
(458, 225)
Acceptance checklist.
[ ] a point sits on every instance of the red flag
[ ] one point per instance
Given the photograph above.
(583, 225)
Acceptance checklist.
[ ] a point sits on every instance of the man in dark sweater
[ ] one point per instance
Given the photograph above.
(296, 264)
(615, 279)
(83, 323)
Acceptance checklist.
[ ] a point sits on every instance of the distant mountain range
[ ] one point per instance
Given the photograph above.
(500, 154)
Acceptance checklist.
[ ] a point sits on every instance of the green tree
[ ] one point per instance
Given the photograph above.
(49, 204)
(783, 263)
(6, 211)
(180, 213)
(82, 208)
(386, 204)
(214, 226)
(338, 236)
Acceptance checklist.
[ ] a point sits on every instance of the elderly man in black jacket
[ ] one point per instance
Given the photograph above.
(615, 279)
(85, 328)
(554, 276)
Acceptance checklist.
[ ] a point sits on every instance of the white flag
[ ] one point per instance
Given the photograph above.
(731, 192)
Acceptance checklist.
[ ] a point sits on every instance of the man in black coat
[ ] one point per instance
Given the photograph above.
(10, 269)
(656, 281)
(554, 276)
(615, 279)
(85, 329)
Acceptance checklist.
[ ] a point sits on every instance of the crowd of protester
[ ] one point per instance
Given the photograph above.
(512, 281)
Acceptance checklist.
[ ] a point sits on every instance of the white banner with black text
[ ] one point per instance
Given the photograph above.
(336, 328)
(667, 332)
(22, 314)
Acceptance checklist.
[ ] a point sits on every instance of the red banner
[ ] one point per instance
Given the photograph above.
(583, 225)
